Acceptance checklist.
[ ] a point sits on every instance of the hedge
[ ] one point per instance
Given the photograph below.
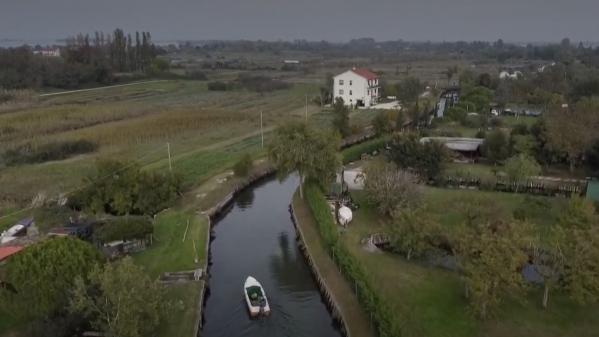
(355, 152)
(125, 228)
(372, 302)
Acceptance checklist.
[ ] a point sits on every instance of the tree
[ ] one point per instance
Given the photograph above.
(400, 121)
(521, 167)
(120, 300)
(413, 232)
(574, 131)
(390, 189)
(578, 235)
(409, 89)
(243, 166)
(312, 153)
(495, 146)
(491, 255)
(382, 123)
(450, 72)
(341, 117)
(42, 277)
(549, 264)
(120, 188)
(428, 159)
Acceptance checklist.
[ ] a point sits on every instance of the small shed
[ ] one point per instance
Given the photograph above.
(593, 190)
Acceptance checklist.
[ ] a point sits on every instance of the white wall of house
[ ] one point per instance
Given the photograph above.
(353, 88)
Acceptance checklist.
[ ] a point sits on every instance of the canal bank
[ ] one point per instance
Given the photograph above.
(336, 290)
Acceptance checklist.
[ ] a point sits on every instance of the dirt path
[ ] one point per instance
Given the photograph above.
(342, 293)
(99, 88)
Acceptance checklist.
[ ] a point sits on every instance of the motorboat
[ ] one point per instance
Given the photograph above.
(255, 297)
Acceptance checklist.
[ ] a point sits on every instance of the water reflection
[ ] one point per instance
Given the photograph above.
(245, 199)
(288, 266)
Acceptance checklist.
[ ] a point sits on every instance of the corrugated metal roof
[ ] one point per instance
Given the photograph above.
(457, 143)
(593, 190)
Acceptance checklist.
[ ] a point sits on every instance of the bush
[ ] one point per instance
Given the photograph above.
(120, 188)
(125, 228)
(219, 86)
(496, 122)
(197, 75)
(352, 269)
(243, 166)
(355, 152)
(472, 122)
(30, 154)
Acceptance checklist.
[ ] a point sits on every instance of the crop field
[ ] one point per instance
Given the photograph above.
(136, 123)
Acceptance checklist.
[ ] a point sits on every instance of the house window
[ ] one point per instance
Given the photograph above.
(350, 83)
(350, 93)
(340, 91)
(340, 82)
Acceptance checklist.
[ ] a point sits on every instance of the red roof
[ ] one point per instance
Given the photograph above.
(367, 74)
(6, 252)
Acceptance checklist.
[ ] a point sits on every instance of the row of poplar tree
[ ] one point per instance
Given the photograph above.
(122, 52)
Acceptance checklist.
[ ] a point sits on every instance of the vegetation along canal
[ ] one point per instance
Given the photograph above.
(256, 237)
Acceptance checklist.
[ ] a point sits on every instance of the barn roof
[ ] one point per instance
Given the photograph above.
(367, 74)
(6, 252)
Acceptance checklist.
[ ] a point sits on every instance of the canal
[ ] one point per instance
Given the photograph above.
(256, 237)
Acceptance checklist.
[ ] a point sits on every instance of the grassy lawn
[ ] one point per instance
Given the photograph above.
(169, 252)
(511, 121)
(430, 300)
(181, 315)
(475, 170)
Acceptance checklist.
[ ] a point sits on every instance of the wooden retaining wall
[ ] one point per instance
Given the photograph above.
(327, 294)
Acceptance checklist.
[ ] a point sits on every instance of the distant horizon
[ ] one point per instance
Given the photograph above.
(33, 41)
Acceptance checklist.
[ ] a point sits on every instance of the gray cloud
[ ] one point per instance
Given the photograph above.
(513, 20)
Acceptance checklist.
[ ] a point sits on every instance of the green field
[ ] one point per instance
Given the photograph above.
(135, 123)
(431, 300)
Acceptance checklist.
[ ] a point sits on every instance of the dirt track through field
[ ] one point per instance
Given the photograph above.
(99, 88)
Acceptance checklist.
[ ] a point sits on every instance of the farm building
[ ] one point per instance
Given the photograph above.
(593, 190)
(8, 251)
(447, 99)
(357, 87)
(461, 147)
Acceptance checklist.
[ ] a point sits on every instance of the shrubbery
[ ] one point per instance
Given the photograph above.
(119, 188)
(219, 86)
(355, 152)
(243, 166)
(124, 228)
(381, 311)
(30, 154)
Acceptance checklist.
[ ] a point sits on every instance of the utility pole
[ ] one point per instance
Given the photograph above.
(170, 164)
(261, 129)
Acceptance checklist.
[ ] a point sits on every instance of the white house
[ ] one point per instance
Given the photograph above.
(357, 87)
(48, 52)
(504, 75)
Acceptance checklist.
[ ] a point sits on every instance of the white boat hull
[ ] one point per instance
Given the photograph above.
(255, 310)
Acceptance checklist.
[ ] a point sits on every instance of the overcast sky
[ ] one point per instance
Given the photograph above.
(334, 20)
